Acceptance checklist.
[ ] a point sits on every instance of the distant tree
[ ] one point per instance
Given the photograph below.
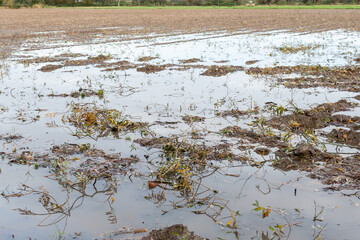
(88, 2)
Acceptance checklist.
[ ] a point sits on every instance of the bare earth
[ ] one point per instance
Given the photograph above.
(40, 20)
(22, 23)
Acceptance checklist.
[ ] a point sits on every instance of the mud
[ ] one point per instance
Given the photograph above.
(251, 62)
(146, 59)
(315, 118)
(151, 68)
(117, 66)
(173, 232)
(191, 119)
(89, 61)
(191, 60)
(343, 78)
(193, 152)
(92, 162)
(236, 113)
(218, 71)
(250, 136)
(216, 143)
(50, 68)
(332, 169)
(350, 137)
(10, 138)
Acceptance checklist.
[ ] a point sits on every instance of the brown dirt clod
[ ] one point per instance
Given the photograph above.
(50, 68)
(174, 232)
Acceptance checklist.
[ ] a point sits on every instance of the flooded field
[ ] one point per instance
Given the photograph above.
(236, 135)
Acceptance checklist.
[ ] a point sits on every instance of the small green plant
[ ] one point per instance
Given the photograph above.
(264, 211)
(100, 92)
(58, 235)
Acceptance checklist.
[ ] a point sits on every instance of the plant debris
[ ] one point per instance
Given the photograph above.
(236, 113)
(191, 119)
(350, 137)
(91, 121)
(83, 93)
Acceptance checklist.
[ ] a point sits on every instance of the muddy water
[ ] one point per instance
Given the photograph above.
(167, 96)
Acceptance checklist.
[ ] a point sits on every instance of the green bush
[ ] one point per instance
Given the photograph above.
(9, 3)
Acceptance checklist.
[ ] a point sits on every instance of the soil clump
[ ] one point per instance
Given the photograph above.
(151, 68)
(218, 71)
(50, 68)
(174, 232)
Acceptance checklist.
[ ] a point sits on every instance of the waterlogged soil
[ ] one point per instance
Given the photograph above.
(343, 78)
(174, 124)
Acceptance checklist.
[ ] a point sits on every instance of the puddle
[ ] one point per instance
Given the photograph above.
(194, 88)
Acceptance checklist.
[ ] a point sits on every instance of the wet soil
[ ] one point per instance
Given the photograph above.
(350, 137)
(341, 78)
(236, 113)
(245, 136)
(251, 62)
(332, 169)
(146, 59)
(75, 24)
(50, 68)
(315, 118)
(90, 60)
(218, 71)
(191, 119)
(151, 68)
(198, 153)
(85, 160)
(10, 137)
(179, 159)
(173, 232)
(190, 60)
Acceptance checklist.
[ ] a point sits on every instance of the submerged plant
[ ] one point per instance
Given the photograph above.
(93, 121)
